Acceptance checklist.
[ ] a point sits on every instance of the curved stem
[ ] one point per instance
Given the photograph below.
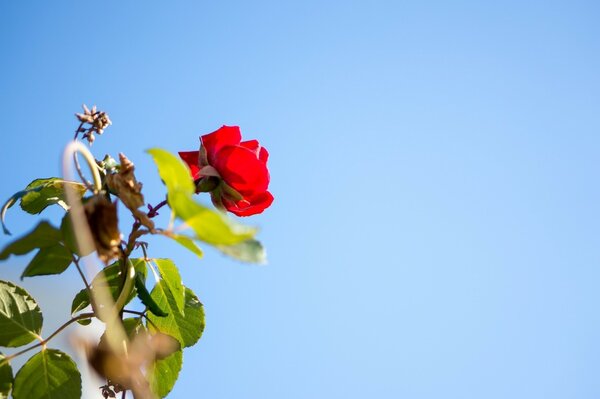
(45, 341)
(127, 286)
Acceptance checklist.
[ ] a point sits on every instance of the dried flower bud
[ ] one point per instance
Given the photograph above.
(98, 121)
(129, 190)
(102, 217)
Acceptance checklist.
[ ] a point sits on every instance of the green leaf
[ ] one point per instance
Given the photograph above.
(162, 374)
(20, 316)
(42, 236)
(186, 242)
(111, 278)
(173, 171)
(68, 236)
(42, 193)
(6, 377)
(49, 374)
(210, 226)
(251, 251)
(49, 260)
(172, 278)
(147, 299)
(38, 195)
(187, 328)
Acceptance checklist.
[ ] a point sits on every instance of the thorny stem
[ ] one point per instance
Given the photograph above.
(45, 341)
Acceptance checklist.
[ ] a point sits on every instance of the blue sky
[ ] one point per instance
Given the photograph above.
(434, 165)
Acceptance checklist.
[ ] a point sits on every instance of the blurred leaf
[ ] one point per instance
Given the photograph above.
(49, 260)
(49, 374)
(162, 374)
(44, 192)
(251, 251)
(111, 278)
(172, 278)
(187, 328)
(146, 298)
(42, 236)
(173, 171)
(68, 236)
(6, 378)
(20, 316)
(186, 242)
(210, 226)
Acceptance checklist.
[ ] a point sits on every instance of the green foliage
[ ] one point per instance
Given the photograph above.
(163, 373)
(6, 377)
(173, 171)
(49, 260)
(40, 194)
(174, 316)
(20, 316)
(210, 226)
(112, 279)
(186, 242)
(250, 251)
(170, 275)
(147, 299)
(49, 374)
(186, 326)
(42, 236)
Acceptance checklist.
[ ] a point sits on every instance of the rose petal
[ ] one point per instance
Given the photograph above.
(250, 206)
(240, 168)
(222, 137)
(191, 159)
(254, 146)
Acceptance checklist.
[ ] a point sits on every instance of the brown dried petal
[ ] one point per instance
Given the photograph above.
(102, 218)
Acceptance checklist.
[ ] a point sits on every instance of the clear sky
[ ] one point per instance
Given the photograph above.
(434, 165)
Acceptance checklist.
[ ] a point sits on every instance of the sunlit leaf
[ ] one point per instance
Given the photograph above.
(49, 260)
(173, 171)
(49, 374)
(186, 242)
(187, 328)
(38, 195)
(42, 236)
(251, 251)
(20, 316)
(210, 226)
(44, 192)
(162, 374)
(170, 274)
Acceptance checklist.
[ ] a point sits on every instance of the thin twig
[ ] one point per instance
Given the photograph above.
(86, 182)
(144, 315)
(87, 285)
(154, 211)
(54, 334)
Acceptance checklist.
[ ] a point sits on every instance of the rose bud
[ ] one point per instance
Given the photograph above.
(233, 171)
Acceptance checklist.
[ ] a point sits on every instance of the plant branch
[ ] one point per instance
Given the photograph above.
(142, 314)
(87, 285)
(54, 334)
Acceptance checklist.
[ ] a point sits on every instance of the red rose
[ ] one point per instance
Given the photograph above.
(234, 171)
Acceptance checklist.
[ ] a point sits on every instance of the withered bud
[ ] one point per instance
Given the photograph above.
(98, 121)
(125, 185)
(102, 217)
